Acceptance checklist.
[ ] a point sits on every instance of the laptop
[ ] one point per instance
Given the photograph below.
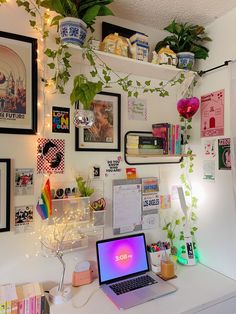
(124, 274)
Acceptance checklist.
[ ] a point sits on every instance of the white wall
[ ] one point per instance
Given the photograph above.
(14, 265)
(217, 219)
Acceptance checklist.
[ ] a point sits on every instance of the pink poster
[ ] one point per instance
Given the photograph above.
(212, 114)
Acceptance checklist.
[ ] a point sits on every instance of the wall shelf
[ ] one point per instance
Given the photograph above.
(128, 65)
(148, 159)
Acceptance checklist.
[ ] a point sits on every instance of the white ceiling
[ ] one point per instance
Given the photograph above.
(159, 13)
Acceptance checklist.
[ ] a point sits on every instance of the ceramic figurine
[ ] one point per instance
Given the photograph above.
(166, 56)
(154, 57)
(138, 50)
(115, 44)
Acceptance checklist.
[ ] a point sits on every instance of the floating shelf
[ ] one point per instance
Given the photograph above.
(149, 159)
(128, 65)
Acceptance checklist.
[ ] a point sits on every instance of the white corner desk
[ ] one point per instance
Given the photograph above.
(200, 290)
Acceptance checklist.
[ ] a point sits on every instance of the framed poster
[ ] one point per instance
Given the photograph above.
(104, 135)
(18, 84)
(5, 167)
(60, 120)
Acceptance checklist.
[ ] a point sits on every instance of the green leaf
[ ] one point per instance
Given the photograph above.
(138, 83)
(51, 65)
(187, 193)
(32, 23)
(55, 20)
(177, 222)
(136, 94)
(84, 91)
(90, 59)
(194, 229)
(147, 83)
(93, 73)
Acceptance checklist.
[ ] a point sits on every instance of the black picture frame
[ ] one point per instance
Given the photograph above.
(5, 194)
(18, 84)
(110, 105)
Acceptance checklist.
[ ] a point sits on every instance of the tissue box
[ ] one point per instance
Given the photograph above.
(155, 259)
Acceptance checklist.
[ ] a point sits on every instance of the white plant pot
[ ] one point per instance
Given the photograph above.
(72, 31)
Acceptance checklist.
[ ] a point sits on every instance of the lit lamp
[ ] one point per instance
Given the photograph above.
(59, 232)
(191, 256)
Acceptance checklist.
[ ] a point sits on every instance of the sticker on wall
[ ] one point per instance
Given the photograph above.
(165, 201)
(60, 120)
(224, 154)
(212, 114)
(24, 181)
(209, 148)
(50, 155)
(209, 170)
(137, 109)
(149, 221)
(24, 218)
(113, 166)
(151, 201)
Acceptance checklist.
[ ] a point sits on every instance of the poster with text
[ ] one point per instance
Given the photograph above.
(212, 114)
(209, 170)
(24, 181)
(137, 109)
(60, 120)
(224, 154)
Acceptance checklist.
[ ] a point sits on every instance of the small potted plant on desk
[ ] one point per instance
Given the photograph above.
(84, 198)
(187, 41)
(75, 16)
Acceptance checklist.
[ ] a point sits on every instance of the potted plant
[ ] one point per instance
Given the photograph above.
(187, 41)
(75, 16)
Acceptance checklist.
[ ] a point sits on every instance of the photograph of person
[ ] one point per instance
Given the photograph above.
(102, 130)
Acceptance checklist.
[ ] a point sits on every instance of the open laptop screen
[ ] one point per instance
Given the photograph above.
(121, 257)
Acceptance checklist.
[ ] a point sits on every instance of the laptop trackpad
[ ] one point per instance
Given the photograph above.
(145, 293)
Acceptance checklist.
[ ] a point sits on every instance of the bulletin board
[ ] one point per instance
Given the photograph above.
(134, 207)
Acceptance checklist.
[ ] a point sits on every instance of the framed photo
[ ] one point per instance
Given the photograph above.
(5, 169)
(104, 135)
(18, 84)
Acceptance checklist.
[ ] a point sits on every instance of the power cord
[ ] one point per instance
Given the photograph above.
(86, 302)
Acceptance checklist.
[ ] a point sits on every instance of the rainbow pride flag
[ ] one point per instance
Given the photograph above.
(44, 206)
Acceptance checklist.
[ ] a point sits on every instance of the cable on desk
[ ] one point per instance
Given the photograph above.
(89, 297)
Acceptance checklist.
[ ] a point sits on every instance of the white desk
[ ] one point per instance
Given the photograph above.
(200, 290)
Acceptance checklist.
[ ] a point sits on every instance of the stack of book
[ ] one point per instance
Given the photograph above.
(23, 299)
(144, 145)
(171, 135)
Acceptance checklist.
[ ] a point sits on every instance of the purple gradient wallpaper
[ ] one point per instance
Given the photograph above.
(122, 257)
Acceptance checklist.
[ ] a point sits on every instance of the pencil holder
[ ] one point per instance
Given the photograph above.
(155, 259)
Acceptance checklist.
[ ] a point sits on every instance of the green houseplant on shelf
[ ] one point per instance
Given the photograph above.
(75, 16)
(186, 38)
(85, 87)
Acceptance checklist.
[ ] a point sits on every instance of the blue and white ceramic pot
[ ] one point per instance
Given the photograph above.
(72, 31)
(185, 60)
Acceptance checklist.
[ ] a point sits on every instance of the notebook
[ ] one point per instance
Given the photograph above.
(124, 274)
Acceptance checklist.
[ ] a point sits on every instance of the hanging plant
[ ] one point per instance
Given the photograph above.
(187, 106)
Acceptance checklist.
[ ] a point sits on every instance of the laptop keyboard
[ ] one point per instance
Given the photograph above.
(132, 284)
